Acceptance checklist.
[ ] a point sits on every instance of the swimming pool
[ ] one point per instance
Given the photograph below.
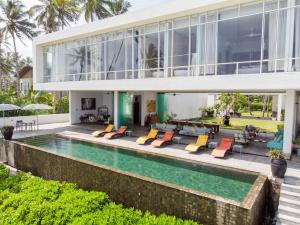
(226, 183)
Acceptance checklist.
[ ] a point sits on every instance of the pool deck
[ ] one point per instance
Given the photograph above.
(236, 160)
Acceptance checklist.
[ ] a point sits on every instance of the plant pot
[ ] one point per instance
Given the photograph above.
(278, 167)
(7, 132)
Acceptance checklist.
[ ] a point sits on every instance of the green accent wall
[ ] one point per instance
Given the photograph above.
(162, 106)
(125, 113)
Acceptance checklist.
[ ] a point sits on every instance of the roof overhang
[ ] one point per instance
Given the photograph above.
(169, 10)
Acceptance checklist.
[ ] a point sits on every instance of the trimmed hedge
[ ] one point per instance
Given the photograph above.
(4, 171)
(25, 199)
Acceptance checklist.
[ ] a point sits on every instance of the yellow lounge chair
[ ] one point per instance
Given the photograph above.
(147, 139)
(201, 142)
(100, 133)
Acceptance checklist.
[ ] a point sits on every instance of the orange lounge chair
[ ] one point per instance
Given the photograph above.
(167, 139)
(224, 147)
(100, 133)
(120, 132)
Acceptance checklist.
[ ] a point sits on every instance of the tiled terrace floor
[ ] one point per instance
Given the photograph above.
(250, 162)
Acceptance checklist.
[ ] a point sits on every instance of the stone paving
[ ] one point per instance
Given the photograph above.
(235, 160)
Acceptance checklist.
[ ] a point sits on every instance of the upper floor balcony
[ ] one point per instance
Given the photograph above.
(260, 37)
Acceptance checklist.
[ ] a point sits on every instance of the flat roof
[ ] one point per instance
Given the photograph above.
(169, 10)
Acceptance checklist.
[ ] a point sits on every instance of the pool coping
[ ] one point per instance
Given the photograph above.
(247, 203)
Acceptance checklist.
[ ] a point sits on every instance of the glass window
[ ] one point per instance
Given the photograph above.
(212, 16)
(194, 20)
(271, 5)
(163, 36)
(181, 47)
(151, 51)
(76, 60)
(297, 40)
(129, 53)
(115, 56)
(228, 13)
(48, 63)
(210, 47)
(240, 39)
(251, 8)
(138, 53)
(282, 28)
(283, 3)
(181, 22)
(152, 28)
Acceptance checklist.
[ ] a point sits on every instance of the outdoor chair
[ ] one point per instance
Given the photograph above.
(166, 139)
(19, 125)
(147, 139)
(101, 133)
(201, 142)
(242, 138)
(277, 143)
(224, 147)
(119, 133)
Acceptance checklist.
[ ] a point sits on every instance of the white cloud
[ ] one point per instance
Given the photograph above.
(136, 5)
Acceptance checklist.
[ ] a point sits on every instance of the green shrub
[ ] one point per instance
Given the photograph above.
(4, 171)
(25, 199)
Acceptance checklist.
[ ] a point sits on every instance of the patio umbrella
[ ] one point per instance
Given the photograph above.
(7, 107)
(37, 107)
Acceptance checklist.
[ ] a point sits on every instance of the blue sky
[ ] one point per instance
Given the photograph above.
(136, 5)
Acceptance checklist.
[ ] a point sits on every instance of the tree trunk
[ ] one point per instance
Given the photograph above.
(268, 102)
(249, 105)
(17, 64)
(264, 105)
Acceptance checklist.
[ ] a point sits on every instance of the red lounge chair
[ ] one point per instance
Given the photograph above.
(120, 132)
(167, 139)
(224, 147)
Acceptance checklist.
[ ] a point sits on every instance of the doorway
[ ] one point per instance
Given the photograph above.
(136, 108)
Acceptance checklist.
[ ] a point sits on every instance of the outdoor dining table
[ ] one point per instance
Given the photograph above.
(214, 126)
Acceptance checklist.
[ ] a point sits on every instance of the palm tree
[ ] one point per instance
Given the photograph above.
(45, 15)
(118, 7)
(67, 11)
(17, 25)
(95, 8)
(5, 63)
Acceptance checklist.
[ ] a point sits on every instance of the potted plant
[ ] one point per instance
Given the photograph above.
(7, 132)
(278, 163)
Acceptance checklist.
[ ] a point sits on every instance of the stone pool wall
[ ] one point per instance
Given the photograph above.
(139, 192)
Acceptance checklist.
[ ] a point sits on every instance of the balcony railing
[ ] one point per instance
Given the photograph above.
(236, 68)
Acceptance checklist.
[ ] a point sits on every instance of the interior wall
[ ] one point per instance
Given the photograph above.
(186, 105)
(102, 99)
(146, 97)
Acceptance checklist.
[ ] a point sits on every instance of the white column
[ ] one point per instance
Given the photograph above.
(116, 109)
(279, 106)
(70, 107)
(289, 122)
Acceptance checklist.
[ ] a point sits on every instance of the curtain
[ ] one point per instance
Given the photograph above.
(272, 31)
(211, 42)
(281, 41)
(199, 58)
(297, 39)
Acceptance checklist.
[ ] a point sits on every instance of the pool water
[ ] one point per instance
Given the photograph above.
(221, 182)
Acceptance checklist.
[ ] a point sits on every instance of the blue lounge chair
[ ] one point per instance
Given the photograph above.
(277, 143)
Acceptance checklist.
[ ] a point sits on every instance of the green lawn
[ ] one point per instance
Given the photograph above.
(240, 123)
(256, 114)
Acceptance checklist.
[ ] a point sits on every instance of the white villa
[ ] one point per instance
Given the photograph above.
(174, 55)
